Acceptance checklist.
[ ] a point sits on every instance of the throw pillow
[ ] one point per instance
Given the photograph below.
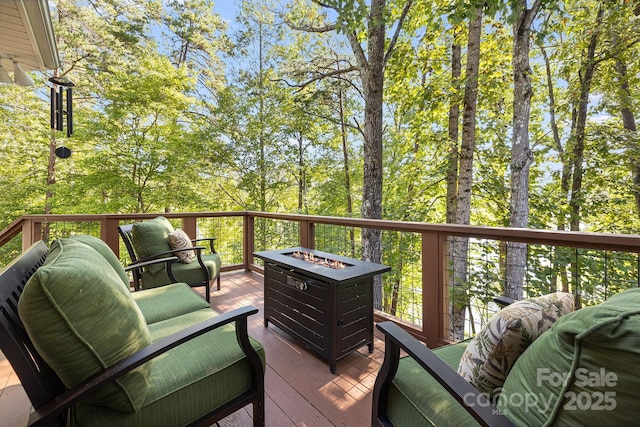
(81, 320)
(180, 240)
(491, 354)
(584, 371)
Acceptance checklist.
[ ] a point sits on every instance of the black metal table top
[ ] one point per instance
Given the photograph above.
(354, 268)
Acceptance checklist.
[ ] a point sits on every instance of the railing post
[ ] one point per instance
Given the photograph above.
(28, 233)
(109, 233)
(248, 230)
(190, 226)
(433, 292)
(307, 234)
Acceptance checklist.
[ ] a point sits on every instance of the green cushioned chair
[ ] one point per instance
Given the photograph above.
(580, 371)
(149, 240)
(90, 353)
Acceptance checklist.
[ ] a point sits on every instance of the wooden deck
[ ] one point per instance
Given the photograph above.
(300, 390)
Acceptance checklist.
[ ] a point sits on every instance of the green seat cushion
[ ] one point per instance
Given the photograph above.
(81, 320)
(417, 399)
(583, 371)
(168, 301)
(150, 238)
(103, 249)
(186, 382)
(187, 273)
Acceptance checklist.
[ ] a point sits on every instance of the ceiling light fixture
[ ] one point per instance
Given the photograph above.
(4, 76)
(19, 76)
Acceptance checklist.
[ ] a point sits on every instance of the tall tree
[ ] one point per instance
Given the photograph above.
(254, 117)
(459, 300)
(578, 134)
(194, 36)
(454, 128)
(521, 156)
(371, 60)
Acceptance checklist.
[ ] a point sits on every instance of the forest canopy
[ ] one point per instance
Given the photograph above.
(176, 109)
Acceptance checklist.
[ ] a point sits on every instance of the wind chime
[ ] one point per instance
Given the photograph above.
(62, 88)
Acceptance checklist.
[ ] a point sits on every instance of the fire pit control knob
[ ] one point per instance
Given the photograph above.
(295, 283)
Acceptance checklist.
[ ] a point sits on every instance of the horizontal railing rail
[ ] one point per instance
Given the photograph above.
(262, 231)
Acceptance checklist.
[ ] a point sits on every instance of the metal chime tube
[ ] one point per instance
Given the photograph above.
(59, 108)
(69, 112)
(53, 108)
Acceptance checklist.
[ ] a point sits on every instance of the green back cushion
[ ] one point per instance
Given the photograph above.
(583, 370)
(81, 319)
(491, 354)
(103, 249)
(151, 238)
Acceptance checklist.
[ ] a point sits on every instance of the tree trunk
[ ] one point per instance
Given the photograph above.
(51, 180)
(459, 297)
(586, 77)
(521, 156)
(629, 123)
(559, 267)
(302, 176)
(347, 170)
(575, 202)
(373, 83)
(454, 122)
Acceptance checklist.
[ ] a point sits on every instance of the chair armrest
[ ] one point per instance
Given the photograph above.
(197, 249)
(140, 264)
(397, 339)
(169, 261)
(211, 240)
(47, 413)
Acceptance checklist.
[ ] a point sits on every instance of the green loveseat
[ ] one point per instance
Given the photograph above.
(581, 371)
(90, 353)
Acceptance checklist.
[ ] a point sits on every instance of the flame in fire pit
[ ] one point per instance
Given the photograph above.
(326, 262)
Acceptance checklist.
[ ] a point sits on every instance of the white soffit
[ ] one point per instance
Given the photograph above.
(26, 35)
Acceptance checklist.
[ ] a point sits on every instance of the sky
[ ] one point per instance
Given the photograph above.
(226, 9)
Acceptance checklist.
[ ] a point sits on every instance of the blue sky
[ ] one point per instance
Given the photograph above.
(226, 9)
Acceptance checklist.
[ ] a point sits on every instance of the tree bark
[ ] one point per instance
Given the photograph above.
(454, 122)
(629, 123)
(521, 156)
(302, 175)
(558, 267)
(347, 169)
(586, 77)
(373, 84)
(459, 297)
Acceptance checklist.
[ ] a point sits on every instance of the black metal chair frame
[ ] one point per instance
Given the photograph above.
(397, 339)
(50, 398)
(126, 233)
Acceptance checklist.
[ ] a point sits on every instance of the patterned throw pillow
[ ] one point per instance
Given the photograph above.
(178, 239)
(490, 355)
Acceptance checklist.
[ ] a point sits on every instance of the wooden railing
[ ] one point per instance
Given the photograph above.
(433, 327)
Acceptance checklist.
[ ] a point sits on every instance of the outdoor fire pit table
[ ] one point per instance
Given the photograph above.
(323, 300)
